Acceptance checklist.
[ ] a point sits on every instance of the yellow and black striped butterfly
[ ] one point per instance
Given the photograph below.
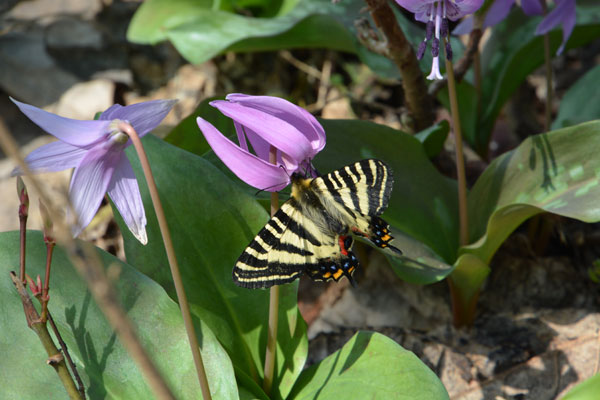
(311, 232)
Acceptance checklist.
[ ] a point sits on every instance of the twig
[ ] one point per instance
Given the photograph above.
(65, 351)
(86, 262)
(302, 66)
(401, 52)
(166, 235)
(55, 358)
(462, 65)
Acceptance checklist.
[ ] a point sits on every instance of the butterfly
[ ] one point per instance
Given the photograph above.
(312, 232)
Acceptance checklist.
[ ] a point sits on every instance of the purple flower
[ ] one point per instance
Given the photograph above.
(96, 150)
(563, 14)
(435, 13)
(265, 122)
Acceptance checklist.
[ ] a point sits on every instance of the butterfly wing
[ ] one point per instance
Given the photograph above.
(358, 194)
(291, 244)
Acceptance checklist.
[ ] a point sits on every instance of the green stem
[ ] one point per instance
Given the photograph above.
(549, 90)
(273, 305)
(166, 235)
(55, 357)
(460, 161)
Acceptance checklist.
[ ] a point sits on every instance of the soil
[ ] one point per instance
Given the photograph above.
(537, 330)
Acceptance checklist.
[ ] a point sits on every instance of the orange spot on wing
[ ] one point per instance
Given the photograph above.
(337, 274)
(386, 238)
(327, 275)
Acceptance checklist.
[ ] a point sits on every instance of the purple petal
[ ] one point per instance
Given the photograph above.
(248, 167)
(89, 183)
(498, 12)
(143, 116)
(563, 13)
(296, 116)
(125, 193)
(416, 6)
(465, 26)
(532, 7)
(458, 10)
(72, 131)
(275, 131)
(52, 157)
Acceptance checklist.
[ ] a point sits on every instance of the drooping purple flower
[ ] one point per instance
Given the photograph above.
(563, 14)
(96, 150)
(266, 122)
(435, 13)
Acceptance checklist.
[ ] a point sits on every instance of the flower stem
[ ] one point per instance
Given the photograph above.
(460, 161)
(55, 358)
(401, 52)
(166, 235)
(273, 305)
(549, 91)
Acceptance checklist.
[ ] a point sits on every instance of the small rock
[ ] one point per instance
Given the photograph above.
(84, 100)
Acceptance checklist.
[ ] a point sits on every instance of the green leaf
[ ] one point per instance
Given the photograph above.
(512, 53)
(586, 390)
(580, 103)
(557, 172)
(369, 366)
(433, 138)
(107, 370)
(212, 221)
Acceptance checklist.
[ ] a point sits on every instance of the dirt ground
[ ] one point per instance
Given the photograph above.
(537, 331)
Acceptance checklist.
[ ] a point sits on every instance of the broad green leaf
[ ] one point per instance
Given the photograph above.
(586, 390)
(581, 102)
(433, 138)
(107, 370)
(212, 221)
(512, 53)
(202, 29)
(557, 172)
(369, 366)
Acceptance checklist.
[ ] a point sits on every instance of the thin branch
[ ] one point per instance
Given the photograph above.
(55, 358)
(65, 351)
(418, 101)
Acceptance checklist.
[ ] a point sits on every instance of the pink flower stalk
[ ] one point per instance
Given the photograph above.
(436, 13)
(96, 150)
(266, 122)
(563, 14)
